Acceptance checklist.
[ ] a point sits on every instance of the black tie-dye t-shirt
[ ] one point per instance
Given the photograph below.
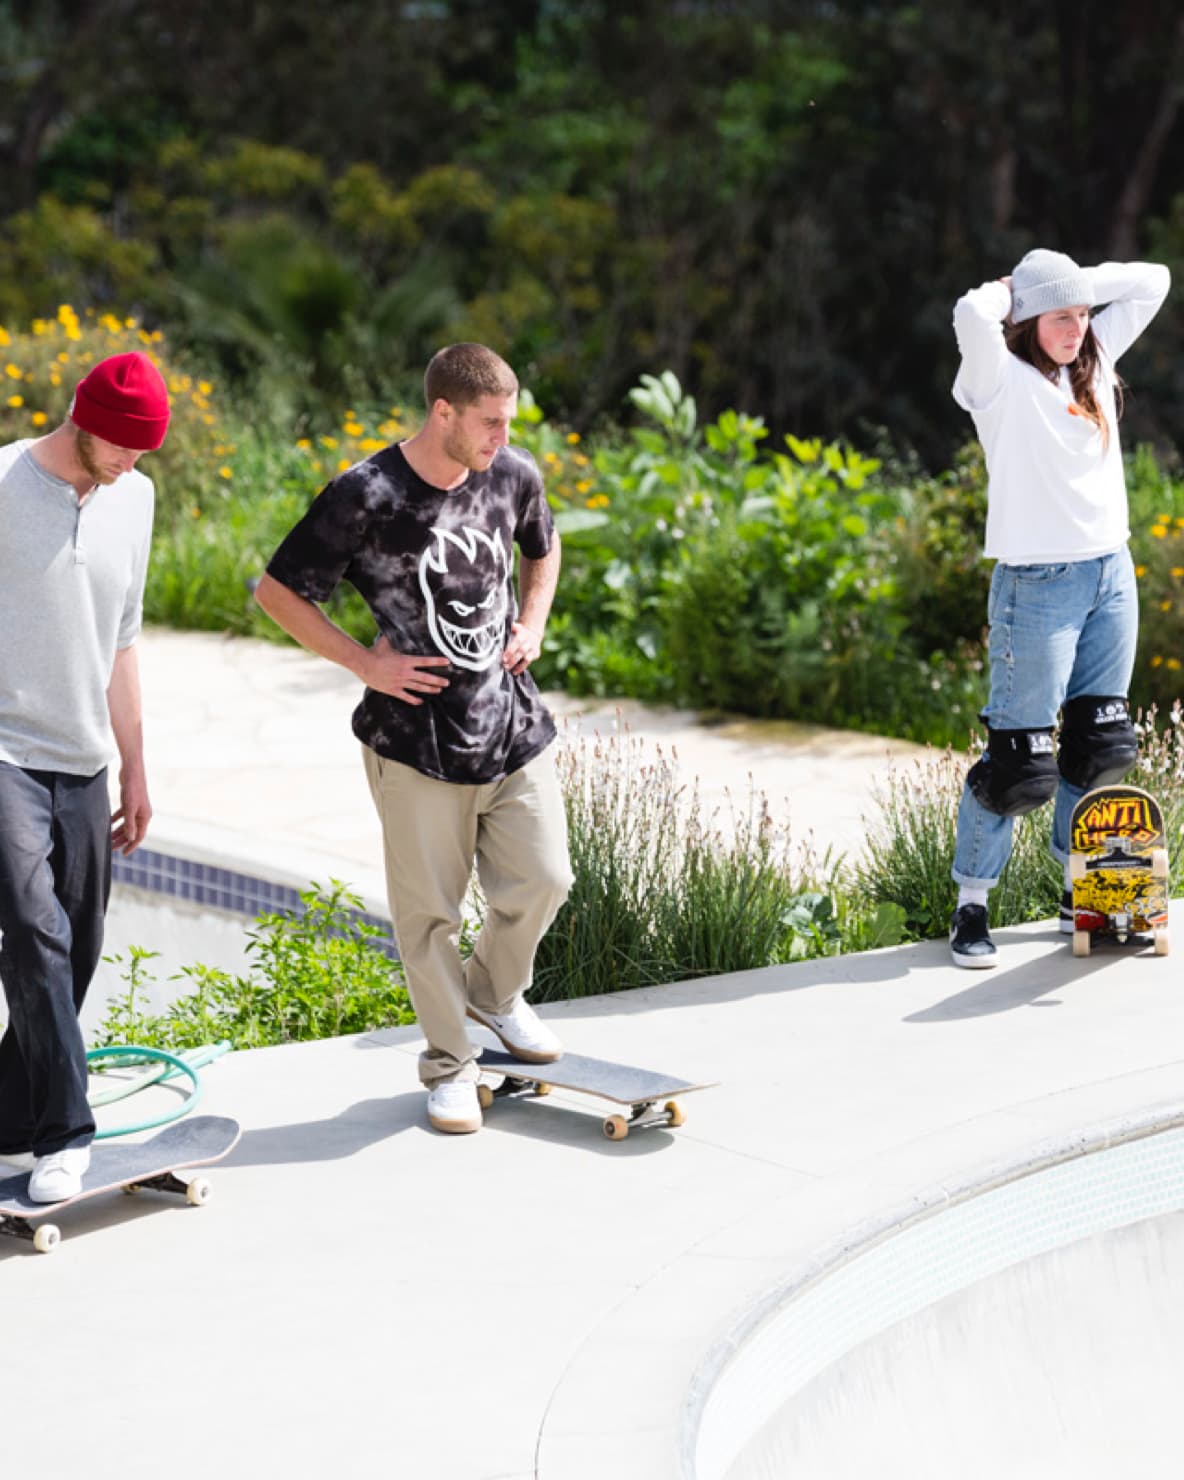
(435, 567)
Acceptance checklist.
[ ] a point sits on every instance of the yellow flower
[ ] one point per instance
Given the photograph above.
(1180, 523)
(1158, 531)
(371, 444)
(574, 438)
(584, 485)
(208, 419)
(4, 336)
(580, 460)
(329, 442)
(343, 464)
(353, 428)
(66, 314)
(303, 443)
(1157, 661)
(1173, 663)
(1140, 570)
(1177, 572)
(63, 357)
(16, 401)
(204, 387)
(195, 512)
(1165, 606)
(225, 472)
(39, 418)
(14, 372)
(598, 501)
(54, 378)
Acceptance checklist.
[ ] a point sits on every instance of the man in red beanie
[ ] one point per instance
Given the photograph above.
(77, 521)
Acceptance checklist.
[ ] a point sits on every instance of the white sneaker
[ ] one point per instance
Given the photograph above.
(453, 1106)
(12, 1162)
(59, 1175)
(522, 1031)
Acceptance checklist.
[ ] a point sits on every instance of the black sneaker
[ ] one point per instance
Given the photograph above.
(1067, 918)
(970, 941)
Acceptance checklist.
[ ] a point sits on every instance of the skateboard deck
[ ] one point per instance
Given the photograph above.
(152, 1163)
(649, 1097)
(1118, 862)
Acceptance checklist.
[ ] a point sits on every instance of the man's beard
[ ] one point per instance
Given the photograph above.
(90, 465)
(458, 450)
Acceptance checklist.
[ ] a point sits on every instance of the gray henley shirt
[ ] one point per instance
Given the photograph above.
(71, 595)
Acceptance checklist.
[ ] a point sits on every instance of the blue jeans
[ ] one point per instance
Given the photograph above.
(1057, 632)
(55, 877)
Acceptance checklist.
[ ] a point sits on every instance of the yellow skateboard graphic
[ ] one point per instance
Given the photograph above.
(1118, 862)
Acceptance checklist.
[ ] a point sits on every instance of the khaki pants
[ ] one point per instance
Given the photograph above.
(433, 831)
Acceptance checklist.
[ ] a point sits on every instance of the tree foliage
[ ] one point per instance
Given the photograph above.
(779, 200)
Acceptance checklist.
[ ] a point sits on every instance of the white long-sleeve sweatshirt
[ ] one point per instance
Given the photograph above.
(1056, 488)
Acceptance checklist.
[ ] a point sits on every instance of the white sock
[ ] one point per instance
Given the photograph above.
(971, 896)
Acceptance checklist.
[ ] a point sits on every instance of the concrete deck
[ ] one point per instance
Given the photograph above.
(365, 1297)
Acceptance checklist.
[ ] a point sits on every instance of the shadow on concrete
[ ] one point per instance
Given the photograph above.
(360, 1125)
(1027, 985)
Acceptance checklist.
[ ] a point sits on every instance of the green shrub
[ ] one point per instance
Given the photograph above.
(315, 973)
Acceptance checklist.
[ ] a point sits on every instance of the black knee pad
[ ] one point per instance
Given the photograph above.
(1017, 774)
(1098, 742)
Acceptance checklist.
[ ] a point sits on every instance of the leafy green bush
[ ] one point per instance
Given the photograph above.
(316, 973)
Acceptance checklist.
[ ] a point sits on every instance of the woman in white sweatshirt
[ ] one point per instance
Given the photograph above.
(1038, 377)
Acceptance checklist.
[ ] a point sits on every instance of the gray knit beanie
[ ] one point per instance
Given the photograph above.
(1046, 280)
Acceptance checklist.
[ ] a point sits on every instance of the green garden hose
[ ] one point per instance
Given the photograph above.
(168, 1066)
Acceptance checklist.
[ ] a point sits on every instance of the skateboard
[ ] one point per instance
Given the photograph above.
(646, 1095)
(139, 1164)
(1118, 863)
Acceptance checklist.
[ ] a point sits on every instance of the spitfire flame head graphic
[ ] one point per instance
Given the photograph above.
(463, 579)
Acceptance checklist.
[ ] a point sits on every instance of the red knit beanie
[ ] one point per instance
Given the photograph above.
(124, 400)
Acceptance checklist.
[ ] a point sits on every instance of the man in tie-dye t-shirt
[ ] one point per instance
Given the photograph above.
(455, 735)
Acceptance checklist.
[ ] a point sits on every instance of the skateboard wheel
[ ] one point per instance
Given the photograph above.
(1159, 863)
(1081, 942)
(198, 1192)
(484, 1096)
(674, 1112)
(543, 1089)
(1076, 866)
(47, 1238)
(616, 1127)
(1161, 940)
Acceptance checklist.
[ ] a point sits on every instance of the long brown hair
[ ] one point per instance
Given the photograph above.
(1024, 340)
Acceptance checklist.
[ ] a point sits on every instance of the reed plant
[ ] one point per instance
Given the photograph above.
(666, 890)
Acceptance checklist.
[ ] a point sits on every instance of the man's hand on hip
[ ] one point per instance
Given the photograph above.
(402, 675)
(523, 648)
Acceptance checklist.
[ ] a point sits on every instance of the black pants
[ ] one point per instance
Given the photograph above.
(55, 878)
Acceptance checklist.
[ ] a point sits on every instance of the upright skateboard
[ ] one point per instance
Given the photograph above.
(1118, 863)
(135, 1165)
(647, 1096)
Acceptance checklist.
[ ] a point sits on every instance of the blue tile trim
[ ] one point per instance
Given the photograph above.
(220, 888)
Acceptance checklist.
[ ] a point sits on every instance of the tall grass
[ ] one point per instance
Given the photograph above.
(665, 891)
